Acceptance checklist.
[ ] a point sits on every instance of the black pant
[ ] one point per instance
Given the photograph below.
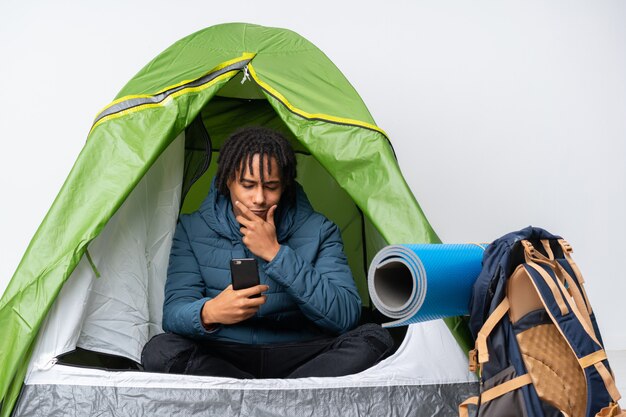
(347, 354)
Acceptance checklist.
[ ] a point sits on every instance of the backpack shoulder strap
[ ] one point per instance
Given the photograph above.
(485, 331)
(541, 271)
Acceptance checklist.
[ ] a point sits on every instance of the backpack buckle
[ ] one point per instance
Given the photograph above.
(566, 246)
(473, 360)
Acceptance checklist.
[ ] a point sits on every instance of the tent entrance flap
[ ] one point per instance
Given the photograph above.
(224, 115)
(121, 310)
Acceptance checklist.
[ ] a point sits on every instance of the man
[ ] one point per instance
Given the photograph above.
(298, 321)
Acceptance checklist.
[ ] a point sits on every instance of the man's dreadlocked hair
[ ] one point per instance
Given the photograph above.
(242, 145)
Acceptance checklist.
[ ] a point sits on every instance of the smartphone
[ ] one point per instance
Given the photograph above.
(244, 273)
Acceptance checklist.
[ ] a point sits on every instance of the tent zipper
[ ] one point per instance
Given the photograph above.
(246, 75)
(48, 365)
(135, 103)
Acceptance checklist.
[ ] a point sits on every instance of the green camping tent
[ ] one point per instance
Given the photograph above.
(203, 87)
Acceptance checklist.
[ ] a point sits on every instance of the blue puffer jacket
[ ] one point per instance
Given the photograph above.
(311, 290)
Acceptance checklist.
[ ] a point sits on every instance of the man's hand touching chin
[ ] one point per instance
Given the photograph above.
(258, 235)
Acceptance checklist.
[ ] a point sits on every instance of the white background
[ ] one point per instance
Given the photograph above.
(502, 113)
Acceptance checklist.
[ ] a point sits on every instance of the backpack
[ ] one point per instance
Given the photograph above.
(538, 348)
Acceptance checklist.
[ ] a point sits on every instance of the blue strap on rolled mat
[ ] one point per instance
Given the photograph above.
(415, 283)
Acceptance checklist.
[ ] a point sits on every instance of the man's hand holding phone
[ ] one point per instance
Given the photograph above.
(238, 301)
(232, 306)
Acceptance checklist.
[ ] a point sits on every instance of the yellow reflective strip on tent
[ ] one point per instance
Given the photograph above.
(246, 56)
(165, 100)
(243, 57)
(321, 116)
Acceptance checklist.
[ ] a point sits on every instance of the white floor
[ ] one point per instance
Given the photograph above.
(617, 359)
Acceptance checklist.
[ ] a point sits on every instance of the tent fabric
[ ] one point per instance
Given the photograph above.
(412, 382)
(114, 304)
(442, 362)
(315, 102)
(423, 401)
(124, 305)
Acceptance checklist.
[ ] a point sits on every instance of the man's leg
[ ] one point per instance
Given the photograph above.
(350, 353)
(167, 353)
(175, 354)
(231, 360)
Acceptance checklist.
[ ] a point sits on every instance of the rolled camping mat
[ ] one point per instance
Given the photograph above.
(414, 283)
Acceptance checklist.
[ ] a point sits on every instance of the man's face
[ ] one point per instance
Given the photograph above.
(257, 196)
